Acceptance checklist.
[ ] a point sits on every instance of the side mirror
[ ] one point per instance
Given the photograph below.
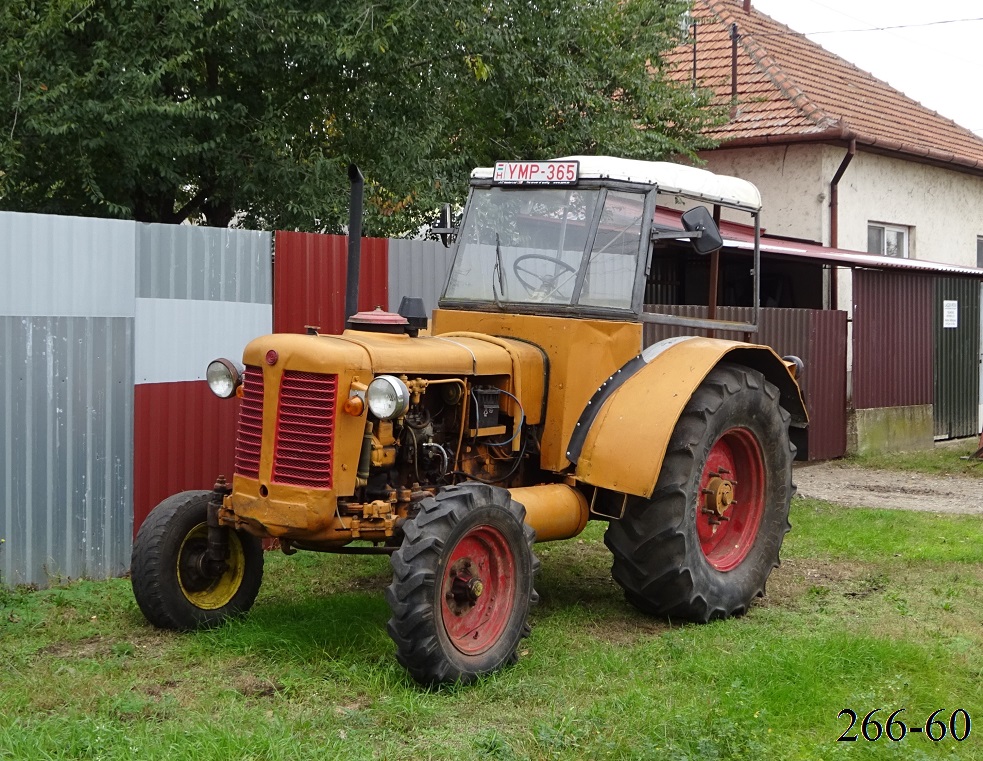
(699, 220)
(443, 230)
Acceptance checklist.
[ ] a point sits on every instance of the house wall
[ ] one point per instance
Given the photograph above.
(942, 206)
(939, 204)
(791, 181)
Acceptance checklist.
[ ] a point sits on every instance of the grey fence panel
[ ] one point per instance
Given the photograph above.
(68, 266)
(69, 325)
(66, 447)
(204, 263)
(417, 268)
(67, 306)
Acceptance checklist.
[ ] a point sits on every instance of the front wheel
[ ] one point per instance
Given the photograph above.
(462, 585)
(705, 543)
(171, 580)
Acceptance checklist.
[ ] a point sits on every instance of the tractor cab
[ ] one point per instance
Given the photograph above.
(576, 236)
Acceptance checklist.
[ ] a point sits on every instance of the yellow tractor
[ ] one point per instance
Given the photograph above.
(524, 408)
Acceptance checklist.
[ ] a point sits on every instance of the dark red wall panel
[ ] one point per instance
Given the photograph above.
(184, 437)
(893, 340)
(309, 280)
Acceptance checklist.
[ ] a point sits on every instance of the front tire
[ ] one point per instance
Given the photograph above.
(704, 545)
(462, 585)
(169, 581)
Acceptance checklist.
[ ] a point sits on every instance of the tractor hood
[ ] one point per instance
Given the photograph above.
(358, 355)
(375, 353)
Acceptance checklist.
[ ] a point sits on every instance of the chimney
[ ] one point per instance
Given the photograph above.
(747, 6)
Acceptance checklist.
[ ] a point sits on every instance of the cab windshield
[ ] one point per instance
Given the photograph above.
(546, 246)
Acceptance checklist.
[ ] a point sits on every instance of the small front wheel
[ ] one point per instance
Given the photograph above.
(171, 580)
(462, 585)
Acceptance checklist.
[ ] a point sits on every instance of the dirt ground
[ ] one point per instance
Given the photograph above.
(843, 484)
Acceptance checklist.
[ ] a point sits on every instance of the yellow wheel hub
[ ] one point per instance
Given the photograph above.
(203, 591)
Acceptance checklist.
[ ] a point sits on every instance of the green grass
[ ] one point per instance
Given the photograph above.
(946, 458)
(870, 609)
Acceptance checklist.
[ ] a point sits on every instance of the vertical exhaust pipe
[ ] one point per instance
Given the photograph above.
(354, 240)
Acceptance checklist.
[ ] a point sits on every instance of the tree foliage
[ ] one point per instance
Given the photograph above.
(248, 111)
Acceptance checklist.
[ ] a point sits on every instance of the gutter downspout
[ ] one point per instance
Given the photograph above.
(834, 211)
(734, 37)
(834, 194)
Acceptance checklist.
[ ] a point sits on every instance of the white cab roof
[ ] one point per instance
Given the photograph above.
(668, 177)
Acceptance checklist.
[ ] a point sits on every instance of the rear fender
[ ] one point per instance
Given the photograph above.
(623, 433)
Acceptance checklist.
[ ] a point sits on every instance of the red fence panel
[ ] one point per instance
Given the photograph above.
(184, 437)
(309, 280)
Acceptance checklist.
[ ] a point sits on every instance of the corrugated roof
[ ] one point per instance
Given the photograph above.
(741, 237)
(792, 89)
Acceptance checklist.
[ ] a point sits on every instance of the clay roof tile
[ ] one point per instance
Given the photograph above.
(790, 88)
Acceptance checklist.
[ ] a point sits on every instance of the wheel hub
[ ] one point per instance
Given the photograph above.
(719, 496)
(477, 590)
(206, 584)
(465, 587)
(727, 527)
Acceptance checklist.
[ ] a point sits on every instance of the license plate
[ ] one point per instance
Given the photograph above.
(536, 172)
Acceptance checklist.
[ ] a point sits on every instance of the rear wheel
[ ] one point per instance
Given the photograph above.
(462, 585)
(705, 543)
(171, 579)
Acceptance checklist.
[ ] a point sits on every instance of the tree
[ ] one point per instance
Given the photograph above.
(248, 112)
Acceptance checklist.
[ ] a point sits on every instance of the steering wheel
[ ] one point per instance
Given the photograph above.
(547, 283)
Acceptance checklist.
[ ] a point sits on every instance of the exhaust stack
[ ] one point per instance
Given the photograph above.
(354, 240)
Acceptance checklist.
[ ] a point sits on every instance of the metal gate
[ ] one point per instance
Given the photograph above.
(956, 324)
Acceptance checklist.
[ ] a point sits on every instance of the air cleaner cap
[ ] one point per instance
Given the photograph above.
(378, 321)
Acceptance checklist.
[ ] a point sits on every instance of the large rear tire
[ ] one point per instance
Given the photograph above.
(462, 585)
(704, 545)
(171, 582)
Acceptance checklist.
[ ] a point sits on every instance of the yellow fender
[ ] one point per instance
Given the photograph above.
(621, 438)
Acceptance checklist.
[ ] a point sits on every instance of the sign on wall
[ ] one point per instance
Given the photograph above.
(950, 314)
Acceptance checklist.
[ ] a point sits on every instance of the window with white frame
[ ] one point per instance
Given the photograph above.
(887, 240)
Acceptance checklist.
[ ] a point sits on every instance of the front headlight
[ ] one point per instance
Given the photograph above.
(387, 397)
(223, 378)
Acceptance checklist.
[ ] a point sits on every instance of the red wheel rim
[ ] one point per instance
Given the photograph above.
(478, 590)
(731, 499)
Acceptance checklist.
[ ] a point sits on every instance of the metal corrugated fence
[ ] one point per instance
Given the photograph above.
(107, 326)
(417, 268)
(66, 371)
(311, 271)
(892, 339)
(956, 324)
(67, 434)
(204, 264)
(87, 306)
(202, 293)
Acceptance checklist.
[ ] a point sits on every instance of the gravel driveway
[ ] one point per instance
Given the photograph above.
(843, 484)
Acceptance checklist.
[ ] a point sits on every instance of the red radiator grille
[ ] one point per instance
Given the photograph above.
(249, 441)
(304, 452)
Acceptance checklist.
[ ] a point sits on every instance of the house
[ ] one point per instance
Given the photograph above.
(845, 161)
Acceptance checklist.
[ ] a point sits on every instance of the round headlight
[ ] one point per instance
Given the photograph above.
(223, 378)
(387, 397)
